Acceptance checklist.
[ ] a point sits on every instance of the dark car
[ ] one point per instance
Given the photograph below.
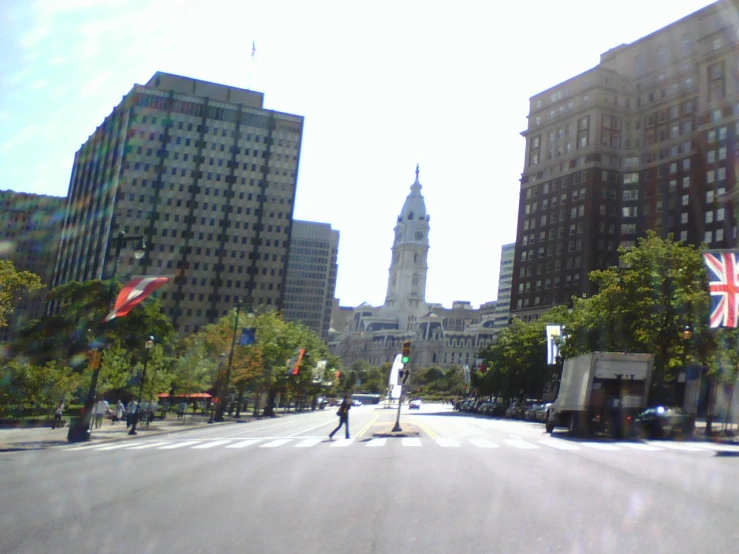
(664, 422)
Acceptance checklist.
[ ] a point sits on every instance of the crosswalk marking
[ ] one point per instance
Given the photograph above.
(529, 443)
(518, 443)
(211, 444)
(484, 443)
(243, 444)
(559, 444)
(86, 447)
(675, 446)
(640, 446)
(149, 445)
(116, 446)
(275, 443)
(308, 443)
(600, 446)
(178, 445)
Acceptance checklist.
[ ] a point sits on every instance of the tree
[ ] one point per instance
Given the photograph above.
(14, 285)
(264, 366)
(68, 334)
(644, 305)
(24, 385)
(517, 360)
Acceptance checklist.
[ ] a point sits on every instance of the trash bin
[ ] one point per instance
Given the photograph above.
(79, 431)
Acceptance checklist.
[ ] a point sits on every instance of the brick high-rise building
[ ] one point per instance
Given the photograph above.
(207, 176)
(644, 140)
(29, 235)
(311, 275)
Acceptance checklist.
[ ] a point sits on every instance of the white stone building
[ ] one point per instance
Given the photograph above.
(440, 336)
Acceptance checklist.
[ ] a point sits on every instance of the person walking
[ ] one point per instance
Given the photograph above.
(58, 416)
(120, 411)
(132, 415)
(343, 414)
(101, 408)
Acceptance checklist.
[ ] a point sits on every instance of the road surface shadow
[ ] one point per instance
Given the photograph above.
(727, 454)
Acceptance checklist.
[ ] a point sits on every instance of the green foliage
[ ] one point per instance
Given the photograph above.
(644, 305)
(517, 361)
(26, 386)
(67, 335)
(14, 285)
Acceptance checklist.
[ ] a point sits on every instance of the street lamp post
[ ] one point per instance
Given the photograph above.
(223, 396)
(80, 431)
(149, 344)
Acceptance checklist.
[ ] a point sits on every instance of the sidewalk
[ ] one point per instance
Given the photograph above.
(718, 431)
(33, 438)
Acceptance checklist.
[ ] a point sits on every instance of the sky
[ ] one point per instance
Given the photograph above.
(382, 85)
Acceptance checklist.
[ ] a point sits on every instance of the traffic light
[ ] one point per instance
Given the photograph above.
(406, 352)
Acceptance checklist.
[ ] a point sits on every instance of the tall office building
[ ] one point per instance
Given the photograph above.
(645, 140)
(29, 234)
(207, 177)
(311, 275)
(505, 279)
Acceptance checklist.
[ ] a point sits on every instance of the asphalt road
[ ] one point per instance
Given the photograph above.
(467, 484)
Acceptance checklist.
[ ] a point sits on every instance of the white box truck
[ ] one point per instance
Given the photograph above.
(601, 392)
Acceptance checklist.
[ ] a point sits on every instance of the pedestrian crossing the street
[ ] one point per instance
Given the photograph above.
(304, 443)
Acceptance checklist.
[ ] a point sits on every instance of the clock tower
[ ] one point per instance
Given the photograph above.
(406, 287)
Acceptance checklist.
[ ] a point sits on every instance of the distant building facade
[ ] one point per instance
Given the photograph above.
(505, 282)
(311, 275)
(207, 176)
(440, 336)
(30, 225)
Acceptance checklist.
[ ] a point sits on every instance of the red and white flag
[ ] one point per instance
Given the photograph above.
(134, 293)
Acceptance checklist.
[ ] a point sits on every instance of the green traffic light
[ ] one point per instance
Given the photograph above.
(406, 359)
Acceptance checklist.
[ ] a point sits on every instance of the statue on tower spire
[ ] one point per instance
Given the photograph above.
(417, 171)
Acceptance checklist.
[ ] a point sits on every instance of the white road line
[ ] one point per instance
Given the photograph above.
(520, 444)
(275, 443)
(447, 443)
(211, 444)
(86, 447)
(600, 446)
(674, 446)
(377, 442)
(307, 443)
(411, 441)
(343, 442)
(715, 447)
(243, 444)
(559, 444)
(149, 445)
(640, 446)
(178, 445)
(117, 446)
(484, 443)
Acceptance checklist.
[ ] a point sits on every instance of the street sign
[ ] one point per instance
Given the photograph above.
(395, 371)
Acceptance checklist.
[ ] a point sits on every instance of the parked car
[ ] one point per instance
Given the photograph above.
(664, 422)
(415, 404)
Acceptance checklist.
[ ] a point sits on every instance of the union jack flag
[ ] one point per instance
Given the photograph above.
(723, 284)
